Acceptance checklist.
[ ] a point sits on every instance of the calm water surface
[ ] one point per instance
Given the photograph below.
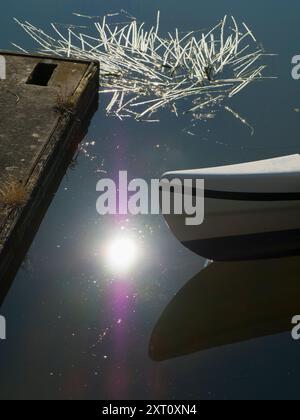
(78, 329)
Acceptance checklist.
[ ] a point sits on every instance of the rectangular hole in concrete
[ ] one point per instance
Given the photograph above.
(41, 74)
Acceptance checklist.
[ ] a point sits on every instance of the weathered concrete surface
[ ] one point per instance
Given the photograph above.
(40, 127)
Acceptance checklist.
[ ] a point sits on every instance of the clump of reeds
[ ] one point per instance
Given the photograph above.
(144, 71)
(13, 194)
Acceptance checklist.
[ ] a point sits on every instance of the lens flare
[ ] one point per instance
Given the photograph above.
(121, 254)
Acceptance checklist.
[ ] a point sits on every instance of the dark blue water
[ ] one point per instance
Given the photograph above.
(78, 330)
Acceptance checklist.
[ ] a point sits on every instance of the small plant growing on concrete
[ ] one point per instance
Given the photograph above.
(13, 195)
(64, 103)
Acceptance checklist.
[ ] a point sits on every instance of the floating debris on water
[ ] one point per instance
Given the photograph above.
(145, 72)
(238, 117)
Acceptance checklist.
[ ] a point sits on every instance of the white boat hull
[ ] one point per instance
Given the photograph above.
(252, 211)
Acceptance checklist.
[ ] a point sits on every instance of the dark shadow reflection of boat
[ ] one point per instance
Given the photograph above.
(226, 303)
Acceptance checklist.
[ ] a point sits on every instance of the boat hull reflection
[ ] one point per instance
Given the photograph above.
(226, 303)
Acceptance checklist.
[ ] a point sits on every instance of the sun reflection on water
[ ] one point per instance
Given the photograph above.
(121, 254)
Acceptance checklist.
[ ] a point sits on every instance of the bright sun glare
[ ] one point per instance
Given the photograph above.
(121, 254)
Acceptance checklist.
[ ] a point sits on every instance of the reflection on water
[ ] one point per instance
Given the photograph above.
(121, 254)
(77, 328)
(228, 303)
